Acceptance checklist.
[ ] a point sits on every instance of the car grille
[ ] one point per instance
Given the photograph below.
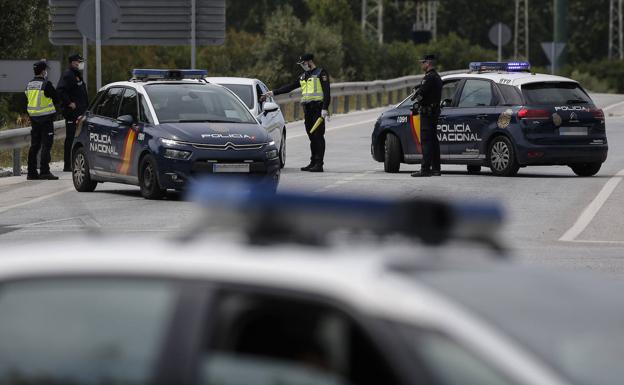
(227, 146)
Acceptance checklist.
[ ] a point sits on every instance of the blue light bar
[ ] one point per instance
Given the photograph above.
(491, 66)
(143, 74)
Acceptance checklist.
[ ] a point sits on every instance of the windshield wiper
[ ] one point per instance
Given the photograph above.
(205, 121)
(576, 101)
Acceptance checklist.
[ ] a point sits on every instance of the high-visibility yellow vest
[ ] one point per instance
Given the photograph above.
(311, 89)
(38, 103)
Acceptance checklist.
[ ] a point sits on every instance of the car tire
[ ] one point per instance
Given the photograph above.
(148, 179)
(392, 154)
(80, 172)
(473, 169)
(586, 169)
(502, 157)
(282, 150)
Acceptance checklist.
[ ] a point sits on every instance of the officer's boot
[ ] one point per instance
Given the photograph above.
(308, 167)
(316, 167)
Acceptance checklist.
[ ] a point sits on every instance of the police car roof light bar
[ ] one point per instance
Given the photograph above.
(166, 74)
(303, 218)
(519, 66)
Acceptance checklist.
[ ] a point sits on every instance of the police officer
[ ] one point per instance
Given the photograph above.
(74, 101)
(428, 96)
(41, 97)
(315, 98)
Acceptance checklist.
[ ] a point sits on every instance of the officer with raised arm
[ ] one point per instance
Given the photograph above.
(315, 98)
(428, 97)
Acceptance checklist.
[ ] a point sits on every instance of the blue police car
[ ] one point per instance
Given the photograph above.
(164, 128)
(502, 116)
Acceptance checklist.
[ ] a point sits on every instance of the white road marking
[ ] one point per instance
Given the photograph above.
(35, 200)
(590, 211)
(334, 128)
(611, 106)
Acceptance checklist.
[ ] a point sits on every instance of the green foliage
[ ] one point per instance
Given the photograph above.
(591, 82)
(607, 72)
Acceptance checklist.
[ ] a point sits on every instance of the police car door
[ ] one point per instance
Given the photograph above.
(476, 110)
(100, 126)
(272, 121)
(125, 136)
(449, 98)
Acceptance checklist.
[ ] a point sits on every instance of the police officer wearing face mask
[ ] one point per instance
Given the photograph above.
(41, 97)
(315, 98)
(428, 97)
(74, 101)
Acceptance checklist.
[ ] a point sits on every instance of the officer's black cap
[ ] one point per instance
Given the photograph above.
(39, 66)
(428, 58)
(305, 57)
(75, 57)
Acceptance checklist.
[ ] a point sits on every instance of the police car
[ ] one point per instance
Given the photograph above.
(165, 127)
(209, 311)
(504, 117)
(268, 113)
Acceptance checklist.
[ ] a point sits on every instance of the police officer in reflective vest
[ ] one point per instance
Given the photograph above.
(41, 97)
(74, 101)
(315, 98)
(428, 97)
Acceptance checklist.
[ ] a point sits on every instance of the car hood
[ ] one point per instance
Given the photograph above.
(215, 133)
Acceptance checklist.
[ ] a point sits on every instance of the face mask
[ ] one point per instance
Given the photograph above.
(81, 66)
(305, 66)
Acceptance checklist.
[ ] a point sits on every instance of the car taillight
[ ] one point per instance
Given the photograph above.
(530, 113)
(597, 113)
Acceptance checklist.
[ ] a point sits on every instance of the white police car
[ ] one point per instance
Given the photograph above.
(164, 128)
(268, 112)
(212, 312)
(502, 116)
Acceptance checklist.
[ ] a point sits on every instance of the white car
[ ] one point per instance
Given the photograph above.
(115, 311)
(268, 113)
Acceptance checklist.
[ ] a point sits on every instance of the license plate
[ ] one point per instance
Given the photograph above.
(230, 167)
(571, 131)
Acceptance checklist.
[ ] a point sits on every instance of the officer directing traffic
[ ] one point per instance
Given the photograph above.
(428, 97)
(74, 101)
(315, 98)
(41, 97)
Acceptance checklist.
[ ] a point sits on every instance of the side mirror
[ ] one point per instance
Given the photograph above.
(446, 103)
(270, 107)
(126, 120)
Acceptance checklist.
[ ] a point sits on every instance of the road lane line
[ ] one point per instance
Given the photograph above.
(35, 200)
(334, 128)
(592, 209)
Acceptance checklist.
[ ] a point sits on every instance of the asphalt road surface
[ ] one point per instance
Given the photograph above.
(552, 216)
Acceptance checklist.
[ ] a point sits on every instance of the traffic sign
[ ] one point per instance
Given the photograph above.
(553, 50)
(500, 35)
(15, 74)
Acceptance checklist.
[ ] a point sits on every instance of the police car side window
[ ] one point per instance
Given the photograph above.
(96, 101)
(511, 95)
(144, 112)
(110, 103)
(476, 93)
(129, 104)
(449, 89)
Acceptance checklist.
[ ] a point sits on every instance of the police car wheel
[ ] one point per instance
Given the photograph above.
(586, 169)
(80, 172)
(473, 169)
(148, 179)
(392, 154)
(282, 150)
(502, 157)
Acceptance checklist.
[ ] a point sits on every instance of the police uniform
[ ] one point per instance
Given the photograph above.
(41, 96)
(72, 89)
(315, 98)
(429, 96)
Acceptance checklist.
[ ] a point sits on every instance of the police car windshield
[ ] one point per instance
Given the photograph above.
(558, 93)
(244, 92)
(196, 102)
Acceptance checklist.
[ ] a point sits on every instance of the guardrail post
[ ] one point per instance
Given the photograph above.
(296, 109)
(17, 162)
(358, 102)
(346, 104)
(369, 101)
(379, 97)
(334, 103)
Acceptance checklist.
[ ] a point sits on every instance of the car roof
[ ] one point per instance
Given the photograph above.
(140, 84)
(232, 80)
(511, 78)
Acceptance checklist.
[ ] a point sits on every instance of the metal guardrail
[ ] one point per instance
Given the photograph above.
(366, 94)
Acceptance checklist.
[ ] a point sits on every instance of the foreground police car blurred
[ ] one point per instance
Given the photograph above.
(213, 312)
(268, 113)
(163, 128)
(501, 116)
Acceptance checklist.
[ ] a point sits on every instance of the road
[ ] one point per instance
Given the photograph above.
(553, 216)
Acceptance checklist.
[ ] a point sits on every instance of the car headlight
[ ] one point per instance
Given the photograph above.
(177, 154)
(272, 143)
(170, 142)
(271, 154)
